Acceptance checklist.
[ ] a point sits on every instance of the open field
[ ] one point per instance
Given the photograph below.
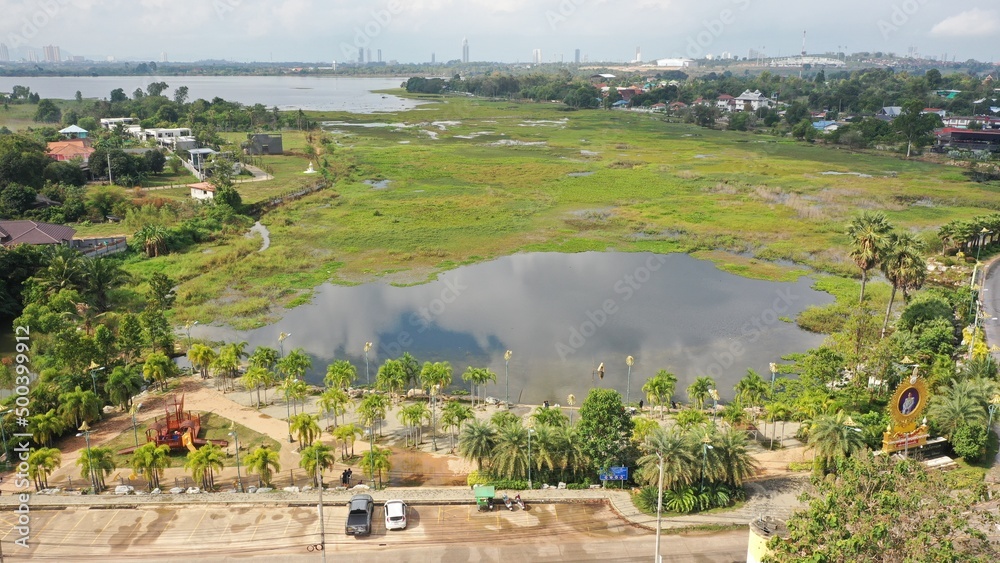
(465, 180)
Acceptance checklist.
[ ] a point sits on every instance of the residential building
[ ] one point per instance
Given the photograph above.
(13, 233)
(951, 138)
(725, 102)
(112, 122)
(4, 53)
(751, 101)
(826, 126)
(888, 113)
(658, 107)
(465, 50)
(74, 132)
(52, 54)
(536, 56)
(264, 143)
(70, 149)
(576, 57)
(938, 111)
(203, 191)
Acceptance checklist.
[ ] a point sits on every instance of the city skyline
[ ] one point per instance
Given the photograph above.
(500, 31)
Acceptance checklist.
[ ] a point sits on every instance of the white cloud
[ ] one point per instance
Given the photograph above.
(971, 23)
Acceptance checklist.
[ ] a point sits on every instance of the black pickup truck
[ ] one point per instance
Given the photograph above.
(359, 517)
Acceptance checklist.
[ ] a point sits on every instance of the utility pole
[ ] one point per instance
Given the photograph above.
(322, 525)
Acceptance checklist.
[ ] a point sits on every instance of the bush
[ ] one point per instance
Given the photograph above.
(970, 442)
(477, 478)
(645, 499)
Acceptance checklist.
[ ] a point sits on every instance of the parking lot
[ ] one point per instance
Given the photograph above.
(576, 532)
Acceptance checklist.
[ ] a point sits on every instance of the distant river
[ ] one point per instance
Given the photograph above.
(317, 93)
(562, 315)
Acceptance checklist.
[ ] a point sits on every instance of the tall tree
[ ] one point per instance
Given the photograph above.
(904, 267)
(660, 388)
(41, 463)
(606, 429)
(869, 237)
(317, 455)
(151, 460)
(834, 438)
(340, 374)
(699, 391)
(264, 462)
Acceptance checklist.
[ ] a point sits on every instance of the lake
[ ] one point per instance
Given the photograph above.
(561, 315)
(319, 93)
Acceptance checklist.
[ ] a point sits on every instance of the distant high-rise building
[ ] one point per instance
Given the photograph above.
(465, 50)
(32, 56)
(4, 53)
(432, 58)
(536, 56)
(380, 55)
(163, 57)
(361, 55)
(576, 57)
(52, 54)
(368, 58)
(638, 54)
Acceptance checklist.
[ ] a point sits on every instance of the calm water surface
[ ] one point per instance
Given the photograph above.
(561, 315)
(317, 93)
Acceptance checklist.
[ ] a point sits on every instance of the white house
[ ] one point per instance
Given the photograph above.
(751, 101)
(678, 63)
(112, 122)
(202, 191)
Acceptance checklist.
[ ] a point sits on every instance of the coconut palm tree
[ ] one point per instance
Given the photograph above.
(509, 459)
(264, 462)
(377, 460)
(254, 378)
(201, 357)
(334, 401)
(151, 460)
(869, 238)
(78, 405)
(435, 376)
(391, 377)
(833, 438)
(573, 457)
(549, 416)
(263, 357)
(752, 389)
(546, 451)
(903, 266)
(101, 460)
(203, 464)
(64, 271)
(45, 427)
(476, 442)
(963, 402)
(372, 410)
(660, 388)
(453, 415)
(102, 275)
(295, 364)
(698, 392)
(123, 384)
(158, 368)
(340, 374)
(346, 434)
(306, 427)
(736, 465)
(679, 461)
(317, 454)
(41, 463)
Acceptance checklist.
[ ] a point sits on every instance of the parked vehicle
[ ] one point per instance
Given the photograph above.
(395, 515)
(507, 503)
(520, 503)
(359, 516)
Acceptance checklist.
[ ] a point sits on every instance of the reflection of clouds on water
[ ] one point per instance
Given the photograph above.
(561, 314)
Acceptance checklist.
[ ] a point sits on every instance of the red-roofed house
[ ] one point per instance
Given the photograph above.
(658, 107)
(677, 106)
(13, 233)
(68, 150)
(202, 191)
(725, 102)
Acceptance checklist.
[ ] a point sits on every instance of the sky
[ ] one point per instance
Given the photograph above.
(497, 30)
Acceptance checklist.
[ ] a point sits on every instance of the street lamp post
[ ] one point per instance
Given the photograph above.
(94, 368)
(659, 509)
(85, 432)
(628, 380)
(715, 402)
(530, 432)
(135, 431)
(322, 524)
(706, 444)
(982, 239)
(774, 368)
(368, 378)
(506, 376)
(239, 477)
(288, 412)
(994, 404)
(434, 392)
(187, 327)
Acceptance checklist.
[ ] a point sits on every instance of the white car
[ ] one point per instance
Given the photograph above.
(395, 515)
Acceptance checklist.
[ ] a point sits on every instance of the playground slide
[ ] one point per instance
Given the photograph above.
(187, 441)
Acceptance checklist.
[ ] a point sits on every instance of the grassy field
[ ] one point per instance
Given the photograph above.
(463, 180)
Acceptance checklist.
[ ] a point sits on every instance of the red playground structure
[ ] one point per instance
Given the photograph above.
(177, 429)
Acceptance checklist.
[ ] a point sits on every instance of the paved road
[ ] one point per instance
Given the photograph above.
(551, 532)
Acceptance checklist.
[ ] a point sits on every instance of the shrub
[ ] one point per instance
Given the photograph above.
(970, 441)
(477, 478)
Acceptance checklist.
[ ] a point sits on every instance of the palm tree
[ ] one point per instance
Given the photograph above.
(263, 357)
(869, 237)
(345, 434)
(735, 463)
(203, 463)
(46, 426)
(549, 416)
(471, 376)
(65, 271)
(779, 411)
(959, 404)
(453, 415)
(698, 392)
(340, 374)
(660, 388)
(334, 401)
(510, 454)
(678, 459)
(372, 409)
(571, 402)
(391, 377)
(476, 442)
(377, 460)
(264, 462)
(546, 448)
(201, 357)
(101, 460)
(151, 460)
(903, 266)
(412, 369)
(78, 405)
(153, 239)
(254, 378)
(158, 368)
(573, 457)
(410, 420)
(102, 275)
(306, 427)
(41, 463)
(752, 389)
(122, 385)
(435, 376)
(295, 364)
(833, 438)
(317, 454)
